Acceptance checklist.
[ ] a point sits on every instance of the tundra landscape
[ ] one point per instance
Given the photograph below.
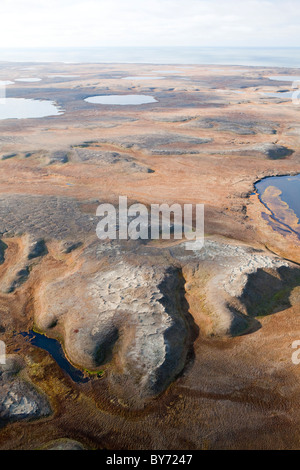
(145, 344)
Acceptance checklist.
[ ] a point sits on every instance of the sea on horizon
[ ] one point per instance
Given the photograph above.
(258, 56)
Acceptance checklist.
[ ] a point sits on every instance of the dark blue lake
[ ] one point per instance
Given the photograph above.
(54, 348)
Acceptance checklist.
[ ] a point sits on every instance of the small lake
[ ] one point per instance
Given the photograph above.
(29, 80)
(54, 348)
(121, 100)
(281, 195)
(22, 108)
(279, 95)
(284, 78)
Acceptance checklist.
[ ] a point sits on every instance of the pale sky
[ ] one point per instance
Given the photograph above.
(78, 23)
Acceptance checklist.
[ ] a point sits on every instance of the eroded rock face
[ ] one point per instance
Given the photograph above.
(273, 151)
(43, 217)
(64, 444)
(59, 156)
(3, 247)
(29, 250)
(163, 143)
(98, 156)
(232, 294)
(19, 399)
(269, 150)
(134, 315)
(228, 124)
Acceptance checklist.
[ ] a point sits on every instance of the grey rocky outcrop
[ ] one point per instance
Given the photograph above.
(162, 143)
(18, 398)
(136, 314)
